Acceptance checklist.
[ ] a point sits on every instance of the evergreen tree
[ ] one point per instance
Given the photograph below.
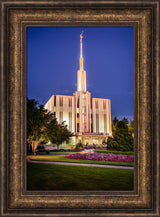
(122, 139)
(131, 124)
(125, 120)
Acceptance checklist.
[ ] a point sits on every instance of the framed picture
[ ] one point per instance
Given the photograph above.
(105, 58)
(18, 18)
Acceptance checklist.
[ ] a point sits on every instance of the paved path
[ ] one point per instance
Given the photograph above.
(79, 164)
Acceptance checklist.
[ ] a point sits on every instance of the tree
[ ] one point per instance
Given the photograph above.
(122, 139)
(131, 124)
(35, 123)
(43, 126)
(114, 124)
(131, 127)
(125, 120)
(115, 121)
(51, 128)
(58, 133)
(38, 120)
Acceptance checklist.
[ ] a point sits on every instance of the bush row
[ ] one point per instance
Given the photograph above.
(114, 152)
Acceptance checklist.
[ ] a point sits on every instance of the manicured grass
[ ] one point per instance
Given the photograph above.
(62, 177)
(61, 158)
(56, 151)
(53, 153)
(114, 152)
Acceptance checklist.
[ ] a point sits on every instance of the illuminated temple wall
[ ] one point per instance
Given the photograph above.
(81, 113)
(101, 113)
(63, 108)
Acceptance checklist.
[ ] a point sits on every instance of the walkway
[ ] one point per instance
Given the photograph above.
(79, 164)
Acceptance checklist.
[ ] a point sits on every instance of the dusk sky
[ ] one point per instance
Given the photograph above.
(53, 60)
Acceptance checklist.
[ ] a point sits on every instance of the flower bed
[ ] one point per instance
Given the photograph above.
(101, 157)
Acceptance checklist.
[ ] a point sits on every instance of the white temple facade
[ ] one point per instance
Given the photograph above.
(89, 119)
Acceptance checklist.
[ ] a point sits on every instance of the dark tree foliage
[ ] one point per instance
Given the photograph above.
(122, 139)
(131, 124)
(115, 121)
(125, 120)
(58, 133)
(36, 120)
(43, 127)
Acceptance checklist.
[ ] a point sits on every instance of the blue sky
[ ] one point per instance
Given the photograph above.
(108, 52)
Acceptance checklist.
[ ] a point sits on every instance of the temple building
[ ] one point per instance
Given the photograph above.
(89, 119)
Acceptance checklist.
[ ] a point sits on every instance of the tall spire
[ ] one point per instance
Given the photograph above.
(81, 57)
(81, 74)
(81, 36)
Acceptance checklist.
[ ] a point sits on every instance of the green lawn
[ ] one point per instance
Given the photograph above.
(53, 153)
(114, 152)
(64, 177)
(61, 158)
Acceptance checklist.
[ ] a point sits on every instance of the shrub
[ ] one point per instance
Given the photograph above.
(40, 148)
(47, 151)
(101, 148)
(79, 146)
(65, 150)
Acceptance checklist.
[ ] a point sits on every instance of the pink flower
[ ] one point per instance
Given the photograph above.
(101, 157)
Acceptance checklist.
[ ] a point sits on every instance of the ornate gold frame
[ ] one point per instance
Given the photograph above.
(16, 16)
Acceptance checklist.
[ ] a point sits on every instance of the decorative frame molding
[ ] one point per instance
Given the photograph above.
(16, 16)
